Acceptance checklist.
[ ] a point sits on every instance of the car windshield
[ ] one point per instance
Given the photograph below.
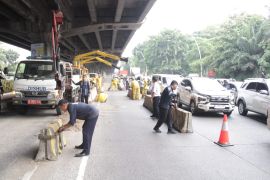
(35, 70)
(207, 85)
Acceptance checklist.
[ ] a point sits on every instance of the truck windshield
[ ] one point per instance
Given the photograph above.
(35, 70)
(76, 71)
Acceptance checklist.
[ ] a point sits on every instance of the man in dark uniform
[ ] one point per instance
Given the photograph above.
(85, 112)
(165, 106)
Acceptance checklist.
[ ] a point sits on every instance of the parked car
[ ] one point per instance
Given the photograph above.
(254, 96)
(204, 94)
(166, 79)
(234, 87)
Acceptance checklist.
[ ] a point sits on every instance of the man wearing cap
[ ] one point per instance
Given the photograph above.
(85, 112)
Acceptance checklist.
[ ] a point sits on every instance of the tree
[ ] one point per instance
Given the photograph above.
(8, 59)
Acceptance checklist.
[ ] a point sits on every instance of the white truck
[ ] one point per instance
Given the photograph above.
(35, 85)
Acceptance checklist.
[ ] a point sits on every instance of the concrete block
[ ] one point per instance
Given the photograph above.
(148, 103)
(51, 142)
(182, 120)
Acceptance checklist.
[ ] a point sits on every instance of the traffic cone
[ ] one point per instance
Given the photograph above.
(224, 134)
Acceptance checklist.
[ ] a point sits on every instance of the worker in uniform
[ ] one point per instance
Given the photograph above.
(59, 86)
(84, 89)
(135, 89)
(155, 94)
(85, 112)
(165, 106)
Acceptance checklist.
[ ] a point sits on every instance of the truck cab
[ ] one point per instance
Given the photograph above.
(35, 85)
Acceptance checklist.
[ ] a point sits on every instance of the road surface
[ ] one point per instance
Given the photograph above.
(125, 147)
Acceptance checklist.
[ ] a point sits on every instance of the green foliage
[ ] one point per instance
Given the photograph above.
(8, 59)
(238, 48)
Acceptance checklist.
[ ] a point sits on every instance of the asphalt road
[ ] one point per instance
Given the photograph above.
(125, 147)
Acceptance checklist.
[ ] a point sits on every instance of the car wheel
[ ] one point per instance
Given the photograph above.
(242, 108)
(193, 108)
(22, 110)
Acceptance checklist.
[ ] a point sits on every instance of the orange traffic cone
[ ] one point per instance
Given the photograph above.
(224, 134)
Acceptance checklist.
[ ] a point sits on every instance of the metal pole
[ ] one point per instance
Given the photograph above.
(199, 53)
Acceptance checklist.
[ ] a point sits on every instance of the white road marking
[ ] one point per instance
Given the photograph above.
(82, 168)
(29, 174)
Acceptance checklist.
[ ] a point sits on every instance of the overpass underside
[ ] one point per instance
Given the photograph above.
(107, 25)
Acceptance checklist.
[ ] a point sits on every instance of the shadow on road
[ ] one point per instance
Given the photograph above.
(31, 112)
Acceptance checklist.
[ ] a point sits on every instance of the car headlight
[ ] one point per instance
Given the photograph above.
(51, 96)
(203, 99)
(18, 94)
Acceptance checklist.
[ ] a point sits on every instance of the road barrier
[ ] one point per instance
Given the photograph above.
(51, 142)
(129, 93)
(148, 103)
(182, 119)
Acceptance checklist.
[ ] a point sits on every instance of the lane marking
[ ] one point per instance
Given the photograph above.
(84, 161)
(29, 174)
(82, 168)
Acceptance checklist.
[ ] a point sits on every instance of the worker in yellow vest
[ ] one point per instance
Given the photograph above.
(145, 87)
(113, 84)
(99, 83)
(135, 89)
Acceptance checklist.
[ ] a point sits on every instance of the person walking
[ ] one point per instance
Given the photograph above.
(85, 89)
(165, 107)
(155, 93)
(85, 112)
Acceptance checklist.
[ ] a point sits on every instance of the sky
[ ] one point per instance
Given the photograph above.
(184, 15)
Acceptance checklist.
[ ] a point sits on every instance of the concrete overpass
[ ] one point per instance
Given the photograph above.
(107, 25)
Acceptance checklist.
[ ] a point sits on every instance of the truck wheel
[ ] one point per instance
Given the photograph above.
(58, 111)
(193, 108)
(22, 110)
(242, 108)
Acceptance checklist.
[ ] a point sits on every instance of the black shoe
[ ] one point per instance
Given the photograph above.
(83, 153)
(152, 116)
(171, 132)
(79, 147)
(157, 130)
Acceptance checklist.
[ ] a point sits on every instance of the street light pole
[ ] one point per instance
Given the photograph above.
(199, 53)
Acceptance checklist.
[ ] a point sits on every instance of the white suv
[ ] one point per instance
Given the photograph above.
(204, 94)
(254, 96)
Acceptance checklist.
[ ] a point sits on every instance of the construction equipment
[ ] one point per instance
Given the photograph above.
(97, 56)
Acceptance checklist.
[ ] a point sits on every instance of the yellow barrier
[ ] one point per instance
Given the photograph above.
(51, 142)
(7, 85)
